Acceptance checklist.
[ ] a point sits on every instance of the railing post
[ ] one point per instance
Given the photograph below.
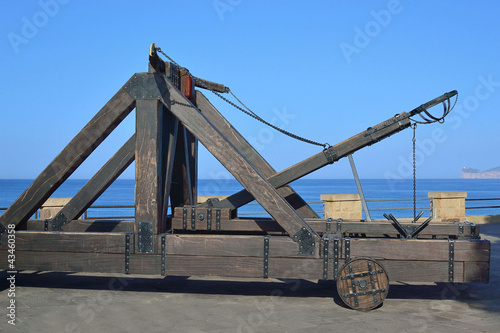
(345, 206)
(448, 205)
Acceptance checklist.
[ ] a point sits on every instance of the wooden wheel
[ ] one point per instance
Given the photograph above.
(363, 284)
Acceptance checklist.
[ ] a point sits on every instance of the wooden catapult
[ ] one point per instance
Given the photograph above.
(209, 239)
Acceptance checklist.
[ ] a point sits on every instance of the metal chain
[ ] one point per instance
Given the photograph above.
(414, 127)
(247, 111)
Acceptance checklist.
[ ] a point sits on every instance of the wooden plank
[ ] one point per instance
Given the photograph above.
(88, 226)
(230, 246)
(234, 162)
(422, 249)
(374, 228)
(67, 262)
(96, 185)
(242, 145)
(70, 158)
(477, 272)
(50, 241)
(285, 268)
(214, 266)
(313, 163)
(149, 171)
(421, 271)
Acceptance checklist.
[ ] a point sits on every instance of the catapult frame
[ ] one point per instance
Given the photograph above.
(210, 238)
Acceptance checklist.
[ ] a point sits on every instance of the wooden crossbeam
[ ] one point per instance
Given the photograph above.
(328, 156)
(234, 162)
(96, 185)
(242, 145)
(70, 158)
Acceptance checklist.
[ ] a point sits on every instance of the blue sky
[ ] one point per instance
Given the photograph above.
(325, 70)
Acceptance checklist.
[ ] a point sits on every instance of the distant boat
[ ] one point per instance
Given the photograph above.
(470, 173)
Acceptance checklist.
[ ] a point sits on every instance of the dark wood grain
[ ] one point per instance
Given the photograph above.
(70, 158)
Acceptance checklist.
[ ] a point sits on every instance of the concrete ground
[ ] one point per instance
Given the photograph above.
(59, 302)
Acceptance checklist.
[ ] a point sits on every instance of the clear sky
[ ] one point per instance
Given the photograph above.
(325, 70)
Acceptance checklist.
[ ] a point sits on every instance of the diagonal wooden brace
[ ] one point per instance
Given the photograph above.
(242, 145)
(236, 164)
(95, 186)
(70, 158)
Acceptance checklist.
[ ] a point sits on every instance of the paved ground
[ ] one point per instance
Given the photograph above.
(57, 302)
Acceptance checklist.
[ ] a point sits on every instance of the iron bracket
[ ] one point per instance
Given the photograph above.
(217, 220)
(193, 219)
(306, 240)
(266, 256)
(347, 249)
(339, 227)
(46, 225)
(209, 219)
(58, 221)
(331, 155)
(328, 225)
(326, 242)
(145, 237)
(184, 218)
(127, 252)
(143, 86)
(451, 260)
(336, 258)
(163, 240)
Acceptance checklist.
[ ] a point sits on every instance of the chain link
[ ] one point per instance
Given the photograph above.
(247, 111)
(414, 127)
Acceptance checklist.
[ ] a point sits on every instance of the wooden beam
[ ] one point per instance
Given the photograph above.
(102, 226)
(170, 133)
(234, 162)
(149, 172)
(96, 185)
(421, 249)
(242, 145)
(362, 229)
(329, 156)
(70, 158)
(49, 241)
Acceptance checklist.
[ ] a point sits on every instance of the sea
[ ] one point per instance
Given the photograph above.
(398, 192)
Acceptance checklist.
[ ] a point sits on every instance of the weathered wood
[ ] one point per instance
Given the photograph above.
(214, 266)
(313, 163)
(422, 271)
(476, 272)
(242, 145)
(50, 241)
(230, 246)
(149, 171)
(96, 185)
(88, 226)
(285, 268)
(422, 249)
(67, 262)
(181, 192)
(70, 158)
(374, 228)
(169, 143)
(234, 162)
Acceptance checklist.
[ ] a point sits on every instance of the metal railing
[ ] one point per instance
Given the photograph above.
(482, 207)
(246, 212)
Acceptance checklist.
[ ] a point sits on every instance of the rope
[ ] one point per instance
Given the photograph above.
(429, 118)
(247, 111)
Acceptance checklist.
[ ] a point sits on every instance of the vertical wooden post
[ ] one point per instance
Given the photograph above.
(149, 175)
(184, 190)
